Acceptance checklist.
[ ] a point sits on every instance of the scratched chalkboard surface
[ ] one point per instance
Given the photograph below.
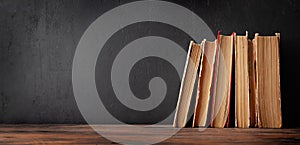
(38, 39)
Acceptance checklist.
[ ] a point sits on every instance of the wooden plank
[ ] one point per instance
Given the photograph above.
(84, 134)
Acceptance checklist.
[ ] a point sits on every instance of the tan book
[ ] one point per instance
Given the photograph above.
(268, 81)
(187, 84)
(252, 84)
(223, 86)
(201, 115)
(242, 103)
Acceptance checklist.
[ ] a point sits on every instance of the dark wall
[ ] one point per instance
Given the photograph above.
(38, 39)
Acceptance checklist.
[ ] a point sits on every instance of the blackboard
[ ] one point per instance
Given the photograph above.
(38, 39)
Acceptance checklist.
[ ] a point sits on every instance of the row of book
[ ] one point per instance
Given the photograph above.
(250, 66)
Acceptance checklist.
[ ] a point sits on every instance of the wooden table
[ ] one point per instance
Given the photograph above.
(84, 134)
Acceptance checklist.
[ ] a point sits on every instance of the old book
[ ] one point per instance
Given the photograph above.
(201, 115)
(268, 81)
(252, 84)
(242, 103)
(214, 81)
(223, 86)
(187, 84)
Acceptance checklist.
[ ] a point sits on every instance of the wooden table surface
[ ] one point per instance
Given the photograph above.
(84, 134)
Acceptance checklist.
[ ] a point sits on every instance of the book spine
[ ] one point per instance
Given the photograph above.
(177, 117)
(215, 75)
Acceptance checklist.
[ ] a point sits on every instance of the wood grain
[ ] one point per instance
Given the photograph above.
(84, 134)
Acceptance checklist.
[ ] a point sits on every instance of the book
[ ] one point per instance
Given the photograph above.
(223, 86)
(214, 80)
(187, 84)
(268, 81)
(232, 66)
(252, 84)
(201, 113)
(242, 103)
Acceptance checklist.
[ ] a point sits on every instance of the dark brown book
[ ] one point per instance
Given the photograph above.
(252, 84)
